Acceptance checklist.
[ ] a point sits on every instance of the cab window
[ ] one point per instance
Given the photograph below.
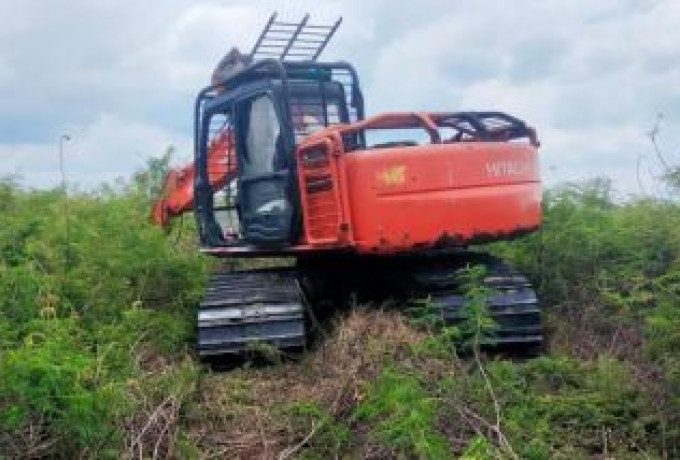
(261, 138)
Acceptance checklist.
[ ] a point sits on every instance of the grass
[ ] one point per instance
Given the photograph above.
(96, 327)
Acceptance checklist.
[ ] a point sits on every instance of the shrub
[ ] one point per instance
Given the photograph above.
(54, 383)
(92, 298)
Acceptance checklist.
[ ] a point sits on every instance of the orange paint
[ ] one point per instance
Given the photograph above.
(394, 199)
(412, 197)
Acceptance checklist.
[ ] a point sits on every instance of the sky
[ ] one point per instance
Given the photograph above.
(120, 77)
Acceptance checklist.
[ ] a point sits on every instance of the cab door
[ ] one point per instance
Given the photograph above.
(264, 202)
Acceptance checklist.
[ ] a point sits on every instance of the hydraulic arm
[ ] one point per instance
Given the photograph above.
(177, 195)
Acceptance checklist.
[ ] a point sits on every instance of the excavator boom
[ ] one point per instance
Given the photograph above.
(177, 195)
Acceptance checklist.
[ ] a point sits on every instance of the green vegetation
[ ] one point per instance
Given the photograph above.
(97, 319)
(96, 313)
(404, 414)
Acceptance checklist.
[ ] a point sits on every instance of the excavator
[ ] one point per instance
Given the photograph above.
(287, 166)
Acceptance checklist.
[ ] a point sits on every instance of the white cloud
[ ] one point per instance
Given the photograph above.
(108, 148)
(590, 76)
(121, 75)
(6, 72)
(176, 59)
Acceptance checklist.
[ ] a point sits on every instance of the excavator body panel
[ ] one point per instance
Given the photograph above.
(409, 198)
(406, 197)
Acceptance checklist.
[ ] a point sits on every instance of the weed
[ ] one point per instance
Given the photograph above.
(325, 435)
(404, 415)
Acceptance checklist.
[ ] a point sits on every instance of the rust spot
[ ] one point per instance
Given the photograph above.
(446, 240)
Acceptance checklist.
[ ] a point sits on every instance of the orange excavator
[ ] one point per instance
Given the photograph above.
(394, 205)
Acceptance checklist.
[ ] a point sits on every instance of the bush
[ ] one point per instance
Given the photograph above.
(607, 276)
(55, 384)
(92, 298)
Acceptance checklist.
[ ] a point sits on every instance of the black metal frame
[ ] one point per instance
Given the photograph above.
(487, 126)
(293, 41)
(468, 126)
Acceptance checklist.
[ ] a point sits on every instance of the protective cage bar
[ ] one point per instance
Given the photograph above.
(299, 41)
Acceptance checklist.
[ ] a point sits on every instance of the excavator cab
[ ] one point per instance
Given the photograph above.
(267, 109)
(280, 96)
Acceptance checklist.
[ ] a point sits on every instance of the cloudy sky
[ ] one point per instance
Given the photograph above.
(120, 76)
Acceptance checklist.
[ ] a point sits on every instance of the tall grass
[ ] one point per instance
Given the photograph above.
(94, 303)
(96, 323)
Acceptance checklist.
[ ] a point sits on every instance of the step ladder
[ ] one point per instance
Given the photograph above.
(290, 41)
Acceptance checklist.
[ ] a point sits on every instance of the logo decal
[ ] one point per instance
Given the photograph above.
(508, 168)
(395, 175)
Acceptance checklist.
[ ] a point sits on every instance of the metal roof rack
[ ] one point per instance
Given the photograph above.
(291, 41)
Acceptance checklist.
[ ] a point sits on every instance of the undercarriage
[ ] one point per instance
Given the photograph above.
(245, 310)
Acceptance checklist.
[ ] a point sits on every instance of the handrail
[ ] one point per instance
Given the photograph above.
(432, 122)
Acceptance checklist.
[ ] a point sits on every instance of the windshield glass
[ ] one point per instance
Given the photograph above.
(263, 132)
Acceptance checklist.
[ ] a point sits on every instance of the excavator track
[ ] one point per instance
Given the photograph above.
(512, 302)
(437, 276)
(242, 310)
